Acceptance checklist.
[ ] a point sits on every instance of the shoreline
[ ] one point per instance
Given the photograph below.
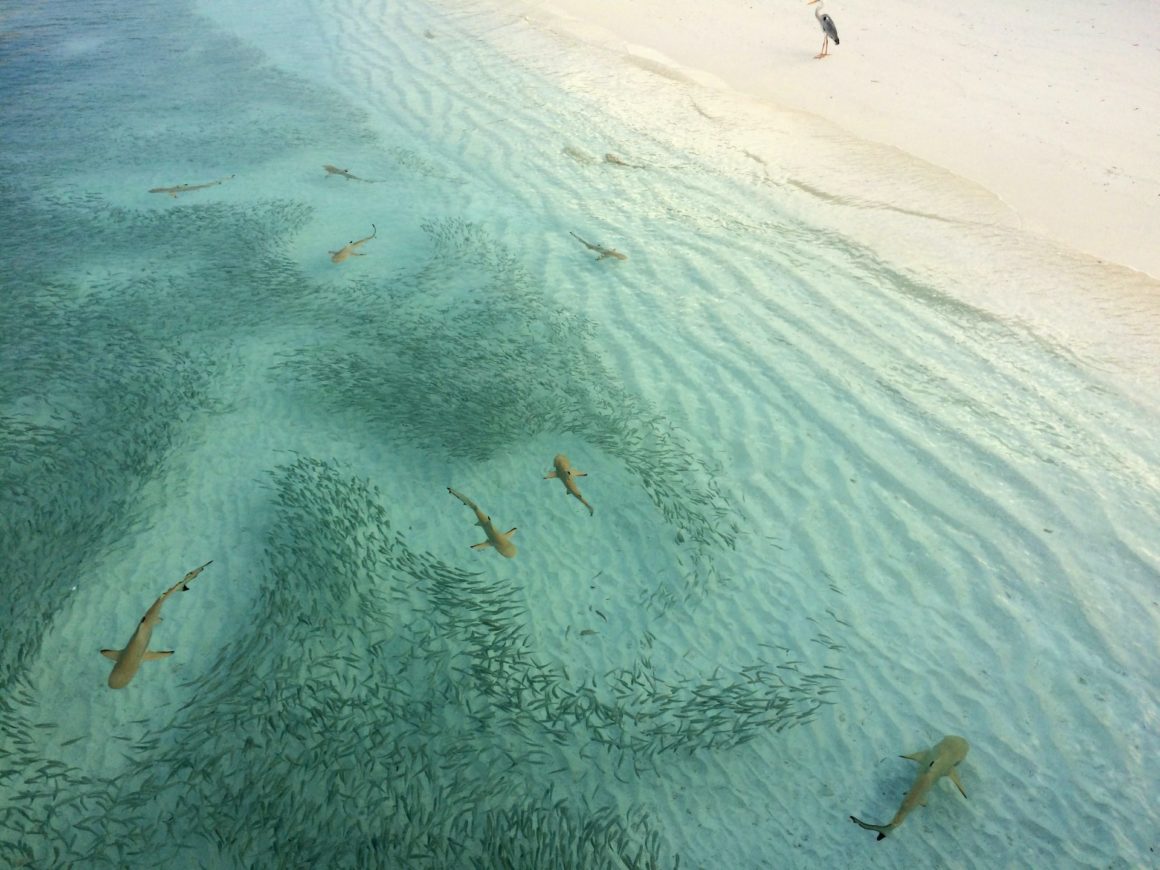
(1055, 125)
(945, 232)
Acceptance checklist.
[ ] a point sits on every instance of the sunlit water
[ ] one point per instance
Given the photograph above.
(847, 497)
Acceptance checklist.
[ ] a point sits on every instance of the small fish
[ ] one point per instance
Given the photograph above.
(601, 250)
(934, 763)
(500, 540)
(186, 188)
(349, 251)
(568, 475)
(129, 659)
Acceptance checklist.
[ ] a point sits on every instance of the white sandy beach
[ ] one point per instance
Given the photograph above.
(1052, 106)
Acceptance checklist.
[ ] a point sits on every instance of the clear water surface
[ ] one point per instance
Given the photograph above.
(846, 501)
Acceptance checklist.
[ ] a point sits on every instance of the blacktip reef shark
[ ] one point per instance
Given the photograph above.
(346, 173)
(616, 161)
(349, 251)
(187, 188)
(601, 250)
(500, 540)
(940, 760)
(129, 659)
(567, 474)
(334, 170)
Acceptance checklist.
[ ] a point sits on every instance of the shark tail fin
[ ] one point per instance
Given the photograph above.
(882, 830)
(461, 497)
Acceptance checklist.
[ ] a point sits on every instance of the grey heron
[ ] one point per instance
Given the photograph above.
(828, 28)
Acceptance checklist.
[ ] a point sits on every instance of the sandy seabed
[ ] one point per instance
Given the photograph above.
(870, 456)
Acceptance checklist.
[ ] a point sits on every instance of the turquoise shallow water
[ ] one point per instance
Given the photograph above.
(844, 504)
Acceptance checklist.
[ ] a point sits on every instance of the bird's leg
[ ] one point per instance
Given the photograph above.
(822, 53)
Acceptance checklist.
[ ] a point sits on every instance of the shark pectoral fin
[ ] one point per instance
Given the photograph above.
(954, 775)
(920, 757)
(153, 655)
(550, 475)
(482, 545)
(579, 473)
(510, 532)
(114, 654)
